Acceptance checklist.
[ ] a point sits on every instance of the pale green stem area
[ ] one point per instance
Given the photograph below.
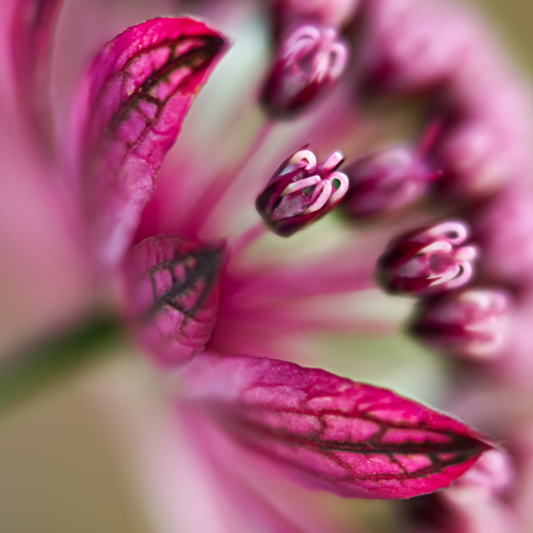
(44, 363)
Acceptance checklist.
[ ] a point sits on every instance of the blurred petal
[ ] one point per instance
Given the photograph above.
(31, 36)
(349, 438)
(172, 292)
(142, 85)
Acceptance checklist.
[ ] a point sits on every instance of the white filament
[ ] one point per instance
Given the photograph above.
(299, 185)
(342, 189)
(322, 199)
(446, 228)
(302, 155)
(332, 161)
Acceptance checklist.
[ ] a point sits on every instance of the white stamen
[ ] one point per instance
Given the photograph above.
(303, 33)
(464, 275)
(455, 232)
(301, 184)
(450, 274)
(320, 66)
(342, 189)
(332, 161)
(322, 199)
(339, 59)
(302, 155)
(436, 247)
(466, 253)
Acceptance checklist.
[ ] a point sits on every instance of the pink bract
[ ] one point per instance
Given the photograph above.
(330, 433)
(142, 84)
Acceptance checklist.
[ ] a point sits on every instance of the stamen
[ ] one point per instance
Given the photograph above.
(342, 189)
(339, 54)
(454, 231)
(322, 199)
(299, 185)
(332, 161)
(436, 247)
(304, 155)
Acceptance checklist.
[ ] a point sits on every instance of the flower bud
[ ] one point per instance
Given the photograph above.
(477, 158)
(428, 261)
(385, 182)
(413, 47)
(301, 191)
(472, 323)
(309, 63)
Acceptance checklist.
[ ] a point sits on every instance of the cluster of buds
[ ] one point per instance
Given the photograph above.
(428, 261)
(301, 191)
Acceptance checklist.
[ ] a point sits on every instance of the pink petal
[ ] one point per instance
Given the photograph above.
(134, 99)
(330, 433)
(31, 38)
(172, 295)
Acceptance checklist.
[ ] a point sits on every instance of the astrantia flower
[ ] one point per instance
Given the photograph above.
(215, 302)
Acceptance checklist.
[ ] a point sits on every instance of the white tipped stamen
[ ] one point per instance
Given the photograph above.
(304, 155)
(322, 199)
(320, 66)
(454, 232)
(436, 247)
(303, 33)
(466, 253)
(301, 184)
(342, 189)
(332, 161)
(464, 275)
(450, 274)
(339, 59)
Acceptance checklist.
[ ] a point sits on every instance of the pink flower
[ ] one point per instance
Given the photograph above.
(205, 287)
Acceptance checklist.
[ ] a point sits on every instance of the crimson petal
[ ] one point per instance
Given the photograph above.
(131, 107)
(352, 439)
(172, 293)
(31, 39)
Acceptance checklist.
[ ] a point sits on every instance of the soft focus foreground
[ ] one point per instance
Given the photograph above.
(310, 299)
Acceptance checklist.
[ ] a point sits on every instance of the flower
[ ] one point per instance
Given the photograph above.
(197, 290)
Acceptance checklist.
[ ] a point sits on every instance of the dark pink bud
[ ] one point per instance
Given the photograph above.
(471, 323)
(413, 47)
(308, 64)
(301, 191)
(428, 261)
(477, 158)
(172, 295)
(385, 182)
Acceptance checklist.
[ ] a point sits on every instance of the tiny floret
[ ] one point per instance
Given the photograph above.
(385, 182)
(472, 324)
(301, 191)
(428, 261)
(310, 61)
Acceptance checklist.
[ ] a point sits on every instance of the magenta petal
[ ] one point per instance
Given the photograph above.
(172, 294)
(31, 39)
(134, 99)
(330, 433)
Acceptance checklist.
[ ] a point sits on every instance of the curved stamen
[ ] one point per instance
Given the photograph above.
(342, 189)
(302, 184)
(304, 155)
(322, 199)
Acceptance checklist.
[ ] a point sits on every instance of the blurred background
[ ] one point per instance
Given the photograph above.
(63, 467)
